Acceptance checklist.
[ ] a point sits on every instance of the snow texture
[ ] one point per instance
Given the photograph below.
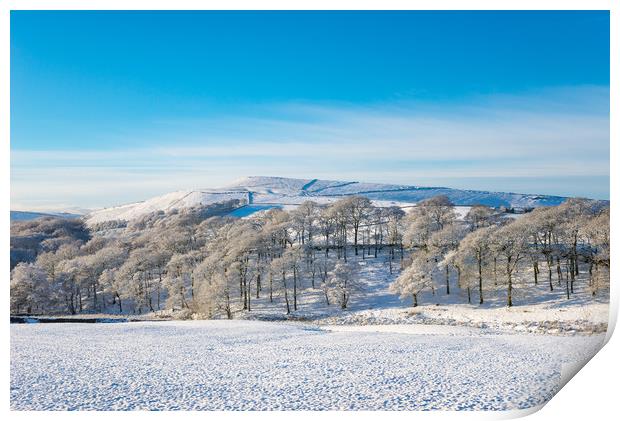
(250, 365)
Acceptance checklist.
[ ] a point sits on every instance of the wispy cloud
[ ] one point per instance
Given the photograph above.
(557, 134)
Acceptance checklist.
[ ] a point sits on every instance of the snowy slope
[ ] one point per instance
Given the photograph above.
(303, 189)
(175, 200)
(264, 192)
(27, 215)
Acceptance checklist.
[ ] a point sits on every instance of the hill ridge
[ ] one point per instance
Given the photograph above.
(264, 192)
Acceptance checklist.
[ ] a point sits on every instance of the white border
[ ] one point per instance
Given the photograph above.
(592, 394)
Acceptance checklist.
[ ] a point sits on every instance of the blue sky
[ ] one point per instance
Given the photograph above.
(112, 107)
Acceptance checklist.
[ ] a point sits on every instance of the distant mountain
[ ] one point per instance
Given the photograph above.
(260, 193)
(27, 215)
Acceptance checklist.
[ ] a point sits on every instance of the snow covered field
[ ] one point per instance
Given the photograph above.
(237, 365)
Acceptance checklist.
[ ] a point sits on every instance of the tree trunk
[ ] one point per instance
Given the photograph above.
(288, 307)
(326, 245)
(550, 274)
(447, 280)
(71, 304)
(295, 289)
(509, 273)
(575, 256)
(376, 243)
(95, 296)
(159, 292)
(227, 306)
(593, 272)
(480, 280)
(244, 289)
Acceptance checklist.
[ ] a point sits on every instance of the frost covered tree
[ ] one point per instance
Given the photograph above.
(179, 280)
(304, 220)
(596, 231)
(323, 267)
(414, 279)
(439, 209)
(29, 288)
(393, 217)
(280, 267)
(480, 216)
(108, 279)
(292, 259)
(357, 211)
(215, 289)
(106, 257)
(509, 244)
(443, 242)
(343, 281)
(473, 252)
(327, 227)
(339, 212)
(574, 216)
(544, 223)
(464, 278)
(428, 217)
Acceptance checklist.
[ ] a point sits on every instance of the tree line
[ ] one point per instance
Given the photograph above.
(200, 261)
(555, 243)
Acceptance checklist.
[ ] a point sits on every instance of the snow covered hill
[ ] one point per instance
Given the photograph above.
(27, 215)
(260, 193)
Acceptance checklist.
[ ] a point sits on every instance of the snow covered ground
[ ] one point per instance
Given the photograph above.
(251, 365)
(536, 309)
(542, 318)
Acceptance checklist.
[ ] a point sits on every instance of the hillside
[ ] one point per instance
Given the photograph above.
(260, 193)
(27, 215)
